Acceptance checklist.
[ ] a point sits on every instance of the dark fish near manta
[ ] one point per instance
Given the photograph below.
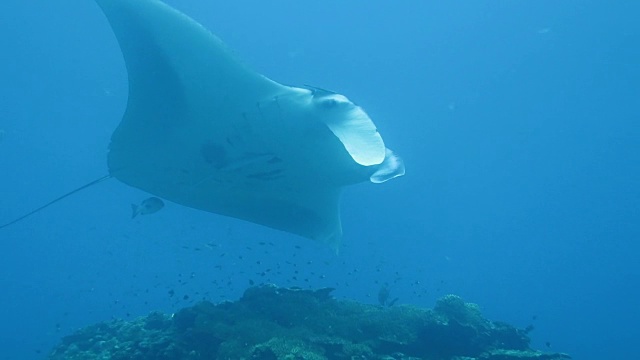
(147, 206)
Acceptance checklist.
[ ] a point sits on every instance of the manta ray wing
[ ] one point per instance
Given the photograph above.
(203, 130)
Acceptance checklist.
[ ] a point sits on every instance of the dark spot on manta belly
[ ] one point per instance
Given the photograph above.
(214, 154)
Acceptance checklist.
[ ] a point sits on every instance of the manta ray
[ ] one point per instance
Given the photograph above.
(203, 130)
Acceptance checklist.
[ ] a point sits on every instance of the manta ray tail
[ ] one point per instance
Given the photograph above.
(94, 182)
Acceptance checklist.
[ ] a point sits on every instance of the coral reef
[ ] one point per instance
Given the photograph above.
(271, 323)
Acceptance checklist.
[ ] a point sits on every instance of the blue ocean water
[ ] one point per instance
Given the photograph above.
(517, 121)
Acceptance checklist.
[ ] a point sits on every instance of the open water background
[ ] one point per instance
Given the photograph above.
(517, 121)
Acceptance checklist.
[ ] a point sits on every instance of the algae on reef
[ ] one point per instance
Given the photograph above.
(271, 323)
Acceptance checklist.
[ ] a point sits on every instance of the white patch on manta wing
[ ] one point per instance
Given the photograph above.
(355, 129)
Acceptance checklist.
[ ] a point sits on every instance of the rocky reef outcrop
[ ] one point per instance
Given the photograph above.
(272, 323)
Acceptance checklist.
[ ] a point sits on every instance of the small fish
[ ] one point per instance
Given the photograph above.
(146, 207)
(383, 295)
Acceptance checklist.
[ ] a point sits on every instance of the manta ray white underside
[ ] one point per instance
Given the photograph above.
(204, 131)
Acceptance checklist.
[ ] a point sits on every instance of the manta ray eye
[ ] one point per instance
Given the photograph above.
(329, 103)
